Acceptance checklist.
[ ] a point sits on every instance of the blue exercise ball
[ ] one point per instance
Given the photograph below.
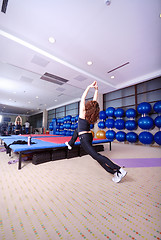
(102, 115)
(67, 133)
(158, 121)
(119, 112)
(63, 132)
(101, 124)
(130, 125)
(131, 137)
(131, 113)
(50, 127)
(54, 120)
(91, 126)
(110, 111)
(121, 136)
(65, 119)
(57, 127)
(71, 133)
(61, 127)
(157, 107)
(157, 137)
(72, 119)
(146, 137)
(57, 133)
(119, 124)
(59, 120)
(68, 118)
(72, 126)
(76, 118)
(110, 135)
(110, 123)
(144, 108)
(145, 123)
(68, 125)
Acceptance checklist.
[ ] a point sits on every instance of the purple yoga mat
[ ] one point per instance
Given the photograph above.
(138, 162)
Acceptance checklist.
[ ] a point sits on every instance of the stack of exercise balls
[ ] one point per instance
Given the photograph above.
(120, 125)
(64, 126)
(131, 125)
(157, 109)
(101, 133)
(110, 123)
(113, 126)
(145, 122)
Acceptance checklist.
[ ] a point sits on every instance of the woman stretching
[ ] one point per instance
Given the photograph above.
(89, 114)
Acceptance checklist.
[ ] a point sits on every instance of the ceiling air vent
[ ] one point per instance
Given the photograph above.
(118, 67)
(4, 6)
(54, 79)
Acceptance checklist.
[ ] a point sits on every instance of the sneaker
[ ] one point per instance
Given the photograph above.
(123, 172)
(67, 144)
(117, 177)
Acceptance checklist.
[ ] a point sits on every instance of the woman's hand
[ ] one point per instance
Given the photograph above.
(93, 84)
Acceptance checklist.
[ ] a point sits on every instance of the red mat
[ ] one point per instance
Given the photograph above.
(60, 140)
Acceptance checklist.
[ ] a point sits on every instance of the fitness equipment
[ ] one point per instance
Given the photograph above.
(121, 136)
(144, 108)
(119, 113)
(130, 125)
(101, 134)
(157, 107)
(119, 124)
(51, 126)
(110, 112)
(110, 135)
(146, 137)
(158, 121)
(130, 113)
(73, 119)
(102, 115)
(145, 123)
(92, 133)
(101, 124)
(110, 123)
(131, 137)
(157, 137)
(76, 118)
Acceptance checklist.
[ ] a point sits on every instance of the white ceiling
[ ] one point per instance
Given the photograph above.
(109, 36)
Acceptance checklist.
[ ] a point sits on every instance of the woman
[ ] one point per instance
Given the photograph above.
(18, 125)
(89, 114)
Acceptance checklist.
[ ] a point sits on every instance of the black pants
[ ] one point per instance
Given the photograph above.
(86, 142)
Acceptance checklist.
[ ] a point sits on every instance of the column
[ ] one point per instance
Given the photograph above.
(44, 121)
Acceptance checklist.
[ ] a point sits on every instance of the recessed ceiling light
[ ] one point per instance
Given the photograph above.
(112, 77)
(55, 100)
(29, 102)
(89, 63)
(14, 92)
(52, 40)
(9, 99)
(37, 97)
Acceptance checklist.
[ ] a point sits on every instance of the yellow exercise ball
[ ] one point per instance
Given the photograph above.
(92, 133)
(101, 134)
